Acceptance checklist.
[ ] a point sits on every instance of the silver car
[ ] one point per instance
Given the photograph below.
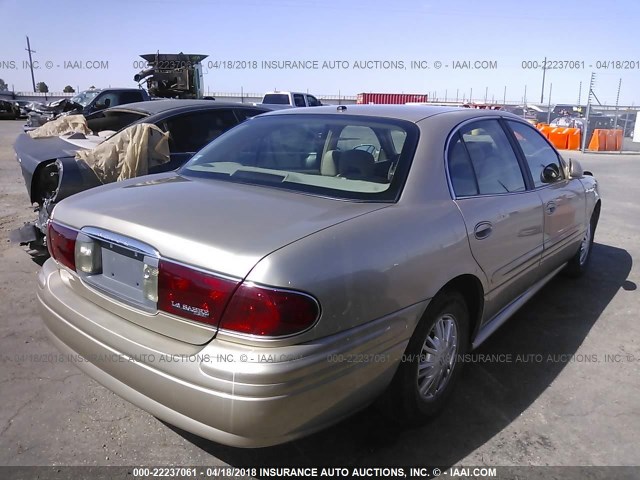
(310, 261)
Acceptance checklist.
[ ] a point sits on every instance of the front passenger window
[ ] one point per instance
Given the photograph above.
(536, 150)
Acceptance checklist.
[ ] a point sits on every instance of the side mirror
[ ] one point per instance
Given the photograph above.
(550, 173)
(99, 106)
(575, 169)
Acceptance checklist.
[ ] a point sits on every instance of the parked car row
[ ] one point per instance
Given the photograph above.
(304, 264)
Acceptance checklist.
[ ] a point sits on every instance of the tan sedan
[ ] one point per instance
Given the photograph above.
(310, 261)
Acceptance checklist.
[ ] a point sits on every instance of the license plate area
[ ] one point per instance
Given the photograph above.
(122, 275)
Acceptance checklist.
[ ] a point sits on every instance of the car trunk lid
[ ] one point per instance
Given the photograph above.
(219, 227)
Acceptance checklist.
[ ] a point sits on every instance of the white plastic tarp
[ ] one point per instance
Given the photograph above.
(128, 154)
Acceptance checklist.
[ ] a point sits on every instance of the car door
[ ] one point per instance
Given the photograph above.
(189, 132)
(503, 216)
(565, 216)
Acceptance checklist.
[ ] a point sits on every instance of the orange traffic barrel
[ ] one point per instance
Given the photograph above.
(545, 129)
(598, 140)
(573, 142)
(610, 143)
(619, 138)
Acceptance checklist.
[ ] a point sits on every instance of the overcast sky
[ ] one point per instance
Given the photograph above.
(372, 45)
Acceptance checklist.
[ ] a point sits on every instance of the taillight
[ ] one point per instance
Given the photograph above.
(262, 311)
(191, 293)
(61, 243)
(245, 308)
(241, 307)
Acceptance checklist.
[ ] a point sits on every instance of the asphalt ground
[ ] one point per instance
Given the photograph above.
(559, 384)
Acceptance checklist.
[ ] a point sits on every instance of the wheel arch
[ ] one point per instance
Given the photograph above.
(39, 181)
(470, 287)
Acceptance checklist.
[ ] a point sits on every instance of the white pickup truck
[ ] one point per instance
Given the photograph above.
(292, 99)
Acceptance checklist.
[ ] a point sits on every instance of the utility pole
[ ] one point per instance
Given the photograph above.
(28, 49)
(615, 124)
(486, 93)
(544, 72)
(580, 95)
(549, 106)
(592, 83)
(504, 96)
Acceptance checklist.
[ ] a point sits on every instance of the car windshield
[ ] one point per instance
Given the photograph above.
(340, 156)
(84, 98)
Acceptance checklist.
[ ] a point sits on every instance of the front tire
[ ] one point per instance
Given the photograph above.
(579, 263)
(431, 364)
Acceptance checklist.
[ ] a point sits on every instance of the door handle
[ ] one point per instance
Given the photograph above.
(483, 230)
(550, 207)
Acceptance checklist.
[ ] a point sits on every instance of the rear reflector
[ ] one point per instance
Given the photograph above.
(257, 310)
(61, 243)
(88, 257)
(150, 281)
(191, 293)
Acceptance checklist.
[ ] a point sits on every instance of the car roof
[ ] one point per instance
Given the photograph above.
(411, 113)
(154, 107)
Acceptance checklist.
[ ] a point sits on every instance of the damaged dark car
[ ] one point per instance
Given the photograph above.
(85, 103)
(53, 169)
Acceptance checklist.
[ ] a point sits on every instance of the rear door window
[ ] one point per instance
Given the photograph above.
(298, 100)
(130, 97)
(494, 162)
(463, 178)
(190, 132)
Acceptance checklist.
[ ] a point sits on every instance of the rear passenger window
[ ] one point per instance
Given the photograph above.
(461, 173)
(298, 100)
(536, 150)
(190, 132)
(493, 160)
(130, 97)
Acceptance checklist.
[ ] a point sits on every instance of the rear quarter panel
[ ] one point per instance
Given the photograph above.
(373, 265)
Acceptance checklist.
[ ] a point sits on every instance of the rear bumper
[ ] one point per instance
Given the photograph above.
(234, 394)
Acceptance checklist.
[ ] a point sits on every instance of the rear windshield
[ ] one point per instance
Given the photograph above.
(276, 99)
(112, 120)
(341, 156)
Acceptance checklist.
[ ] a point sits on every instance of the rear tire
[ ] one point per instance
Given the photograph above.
(431, 364)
